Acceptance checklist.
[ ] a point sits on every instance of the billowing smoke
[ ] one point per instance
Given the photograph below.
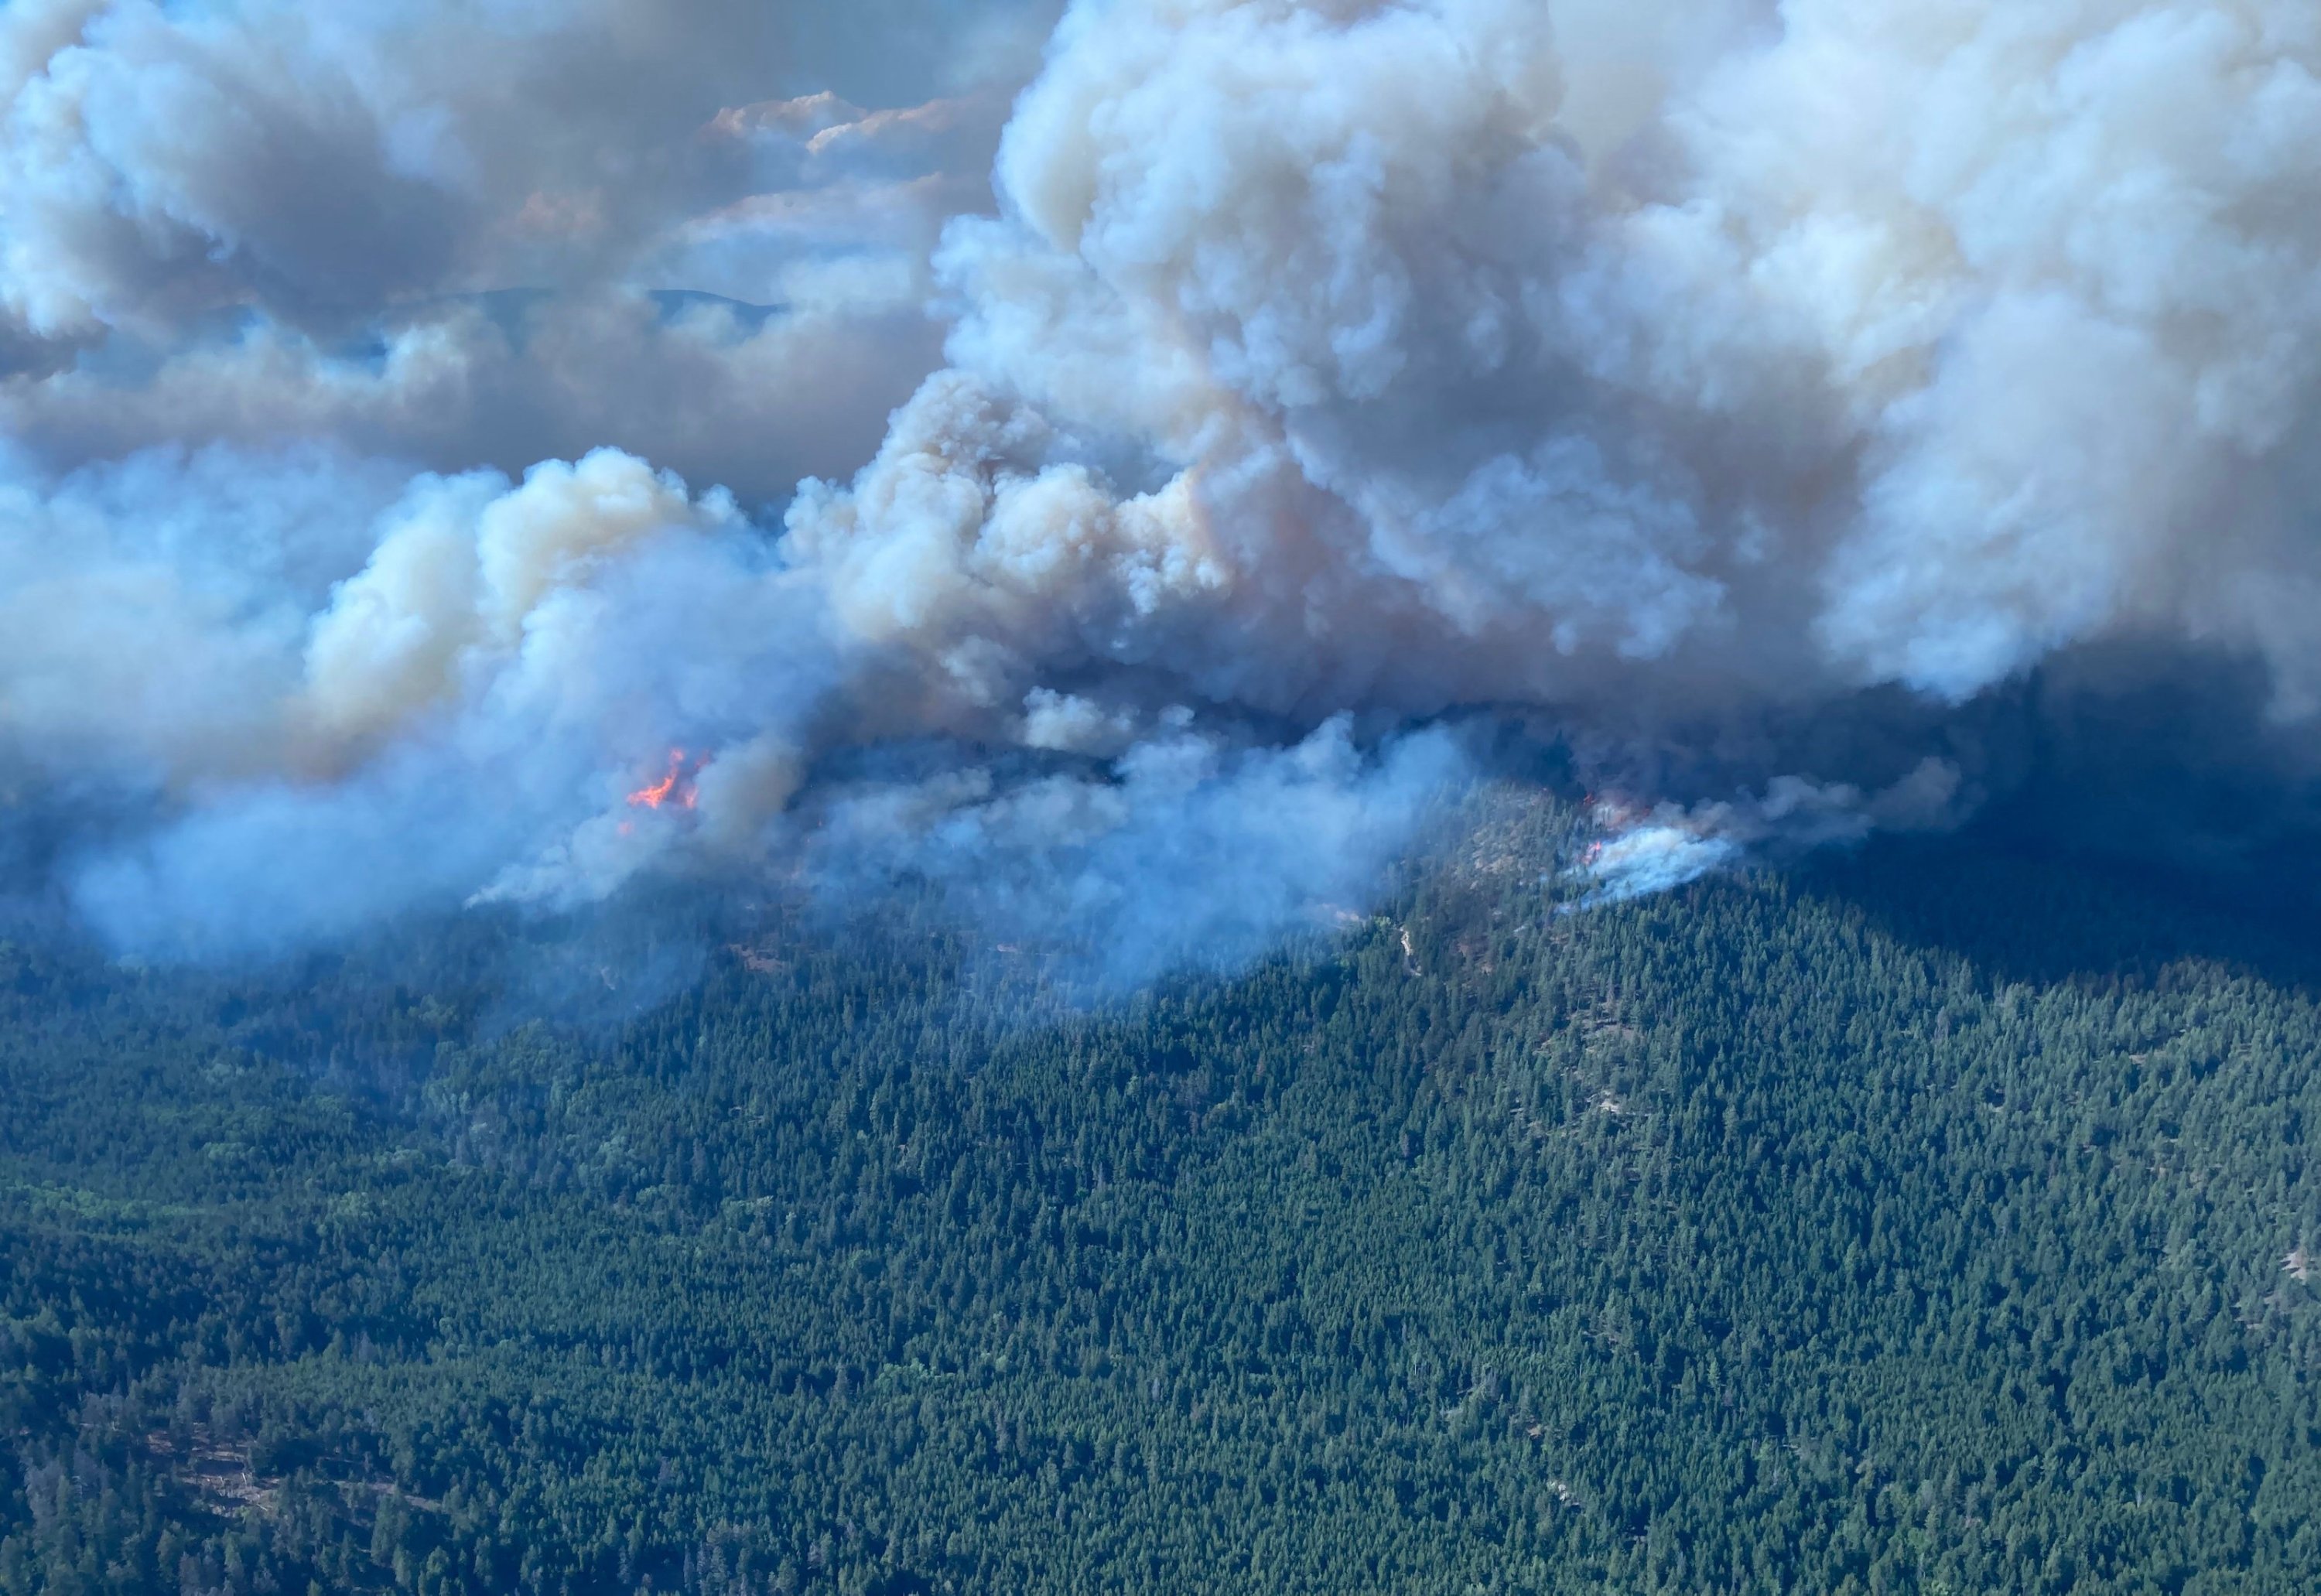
(1769, 405)
(487, 233)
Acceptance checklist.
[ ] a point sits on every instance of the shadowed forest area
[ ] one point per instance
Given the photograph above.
(1928, 1220)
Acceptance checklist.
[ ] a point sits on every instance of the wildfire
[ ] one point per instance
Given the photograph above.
(675, 787)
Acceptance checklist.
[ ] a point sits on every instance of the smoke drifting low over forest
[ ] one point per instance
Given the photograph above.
(1134, 464)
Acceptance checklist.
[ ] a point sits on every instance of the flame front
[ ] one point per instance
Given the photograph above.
(676, 786)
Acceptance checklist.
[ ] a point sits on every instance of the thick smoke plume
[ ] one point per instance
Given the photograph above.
(1768, 404)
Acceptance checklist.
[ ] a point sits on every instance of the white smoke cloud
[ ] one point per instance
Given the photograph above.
(1888, 346)
(729, 393)
(1322, 367)
(1636, 851)
(1187, 853)
(451, 233)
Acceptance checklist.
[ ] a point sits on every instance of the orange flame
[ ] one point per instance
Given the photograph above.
(675, 787)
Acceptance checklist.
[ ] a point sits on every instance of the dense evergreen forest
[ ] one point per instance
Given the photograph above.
(1929, 1220)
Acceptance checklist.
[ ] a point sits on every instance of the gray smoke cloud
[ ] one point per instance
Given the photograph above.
(1758, 397)
(464, 234)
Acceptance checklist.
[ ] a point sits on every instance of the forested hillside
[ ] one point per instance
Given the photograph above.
(1926, 1221)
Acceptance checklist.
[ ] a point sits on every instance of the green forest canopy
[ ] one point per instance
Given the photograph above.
(1929, 1221)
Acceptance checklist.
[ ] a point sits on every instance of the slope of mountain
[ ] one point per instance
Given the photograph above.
(1932, 1221)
